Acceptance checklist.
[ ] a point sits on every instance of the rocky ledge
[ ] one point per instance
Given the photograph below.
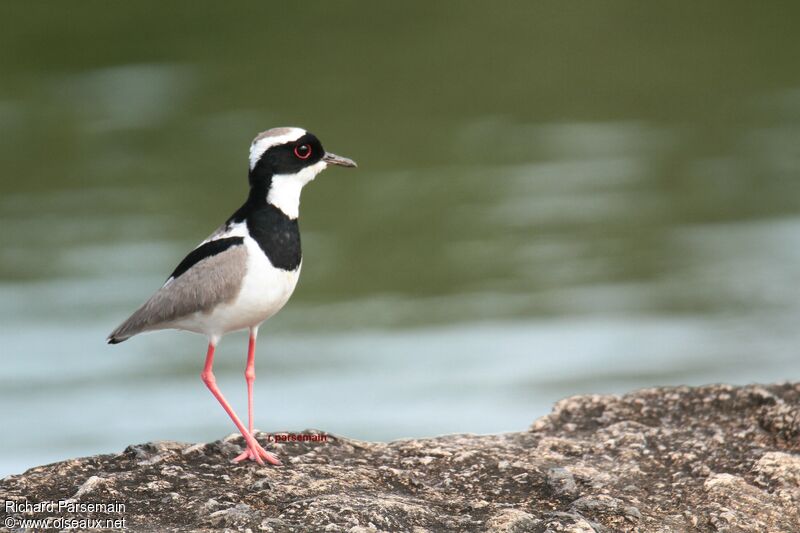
(715, 458)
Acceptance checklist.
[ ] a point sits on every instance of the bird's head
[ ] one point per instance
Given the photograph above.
(283, 160)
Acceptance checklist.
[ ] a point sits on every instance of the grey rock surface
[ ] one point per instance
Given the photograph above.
(715, 458)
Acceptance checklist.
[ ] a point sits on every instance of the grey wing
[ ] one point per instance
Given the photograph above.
(210, 275)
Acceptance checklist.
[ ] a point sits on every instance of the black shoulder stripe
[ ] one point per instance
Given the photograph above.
(208, 249)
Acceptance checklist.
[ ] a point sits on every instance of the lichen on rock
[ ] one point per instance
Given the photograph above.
(716, 458)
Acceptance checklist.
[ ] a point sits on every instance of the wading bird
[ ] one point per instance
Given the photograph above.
(247, 269)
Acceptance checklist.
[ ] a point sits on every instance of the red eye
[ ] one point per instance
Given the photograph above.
(302, 151)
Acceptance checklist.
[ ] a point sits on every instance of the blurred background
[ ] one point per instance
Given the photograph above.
(551, 200)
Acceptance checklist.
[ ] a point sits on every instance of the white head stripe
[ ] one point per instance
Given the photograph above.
(267, 139)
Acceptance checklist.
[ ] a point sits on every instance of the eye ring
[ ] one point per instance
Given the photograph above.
(302, 151)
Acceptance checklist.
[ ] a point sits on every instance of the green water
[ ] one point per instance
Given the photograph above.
(551, 199)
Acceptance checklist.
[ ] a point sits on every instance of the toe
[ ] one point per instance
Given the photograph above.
(270, 457)
(258, 454)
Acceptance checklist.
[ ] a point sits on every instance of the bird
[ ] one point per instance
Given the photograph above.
(247, 269)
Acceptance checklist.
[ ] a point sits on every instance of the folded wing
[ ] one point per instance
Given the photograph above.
(210, 275)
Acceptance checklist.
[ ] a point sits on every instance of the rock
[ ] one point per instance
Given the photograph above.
(89, 486)
(707, 459)
(604, 504)
(238, 516)
(566, 523)
(561, 482)
(512, 521)
(779, 469)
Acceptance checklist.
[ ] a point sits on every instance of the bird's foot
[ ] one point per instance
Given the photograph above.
(255, 452)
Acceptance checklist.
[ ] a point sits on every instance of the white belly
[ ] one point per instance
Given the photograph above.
(265, 290)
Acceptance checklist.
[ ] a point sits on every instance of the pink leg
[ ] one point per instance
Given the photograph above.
(259, 453)
(250, 376)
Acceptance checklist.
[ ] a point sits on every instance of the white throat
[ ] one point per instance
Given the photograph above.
(284, 191)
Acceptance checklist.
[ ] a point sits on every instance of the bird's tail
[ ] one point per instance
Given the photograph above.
(127, 329)
(116, 339)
